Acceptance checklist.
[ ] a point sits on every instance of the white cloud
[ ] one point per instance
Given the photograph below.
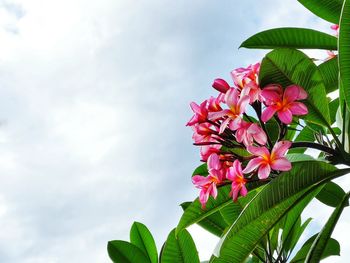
(94, 98)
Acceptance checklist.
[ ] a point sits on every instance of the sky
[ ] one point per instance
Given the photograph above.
(94, 100)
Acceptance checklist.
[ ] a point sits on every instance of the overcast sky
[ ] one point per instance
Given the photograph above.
(93, 104)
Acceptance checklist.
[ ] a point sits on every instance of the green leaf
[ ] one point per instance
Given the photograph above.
(141, 237)
(298, 157)
(122, 251)
(331, 194)
(289, 37)
(326, 9)
(180, 249)
(272, 129)
(344, 51)
(201, 170)
(318, 246)
(195, 213)
(333, 107)
(271, 204)
(329, 71)
(332, 249)
(289, 66)
(214, 223)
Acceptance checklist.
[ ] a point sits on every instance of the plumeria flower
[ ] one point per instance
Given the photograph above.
(285, 105)
(214, 103)
(241, 76)
(200, 113)
(235, 175)
(246, 79)
(208, 184)
(266, 161)
(247, 132)
(203, 132)
(237, 106)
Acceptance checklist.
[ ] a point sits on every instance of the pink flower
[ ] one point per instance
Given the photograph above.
(214, 103)
(247, 132)
(203, 132)
(266, 161)
(235, 175)
(207, 150)
(200, 113)
(286, 106)
(242, 76)
(246, 79)
(221, 85)
(237, 106)
(208, 184)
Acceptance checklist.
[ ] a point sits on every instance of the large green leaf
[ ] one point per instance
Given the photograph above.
(330, 73)
(141, 237)
(332, 249)
(215, 223)
(270, 205)
(122, 251)
(327, 9)
(180, 249)
(318, 246)
(331, 194)
(290, 37)
(344, 51)
(290, 66)
(195, 213)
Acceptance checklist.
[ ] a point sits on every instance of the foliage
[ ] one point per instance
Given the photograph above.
(255, 179)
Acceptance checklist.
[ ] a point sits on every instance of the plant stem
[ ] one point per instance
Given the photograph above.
(314, 145)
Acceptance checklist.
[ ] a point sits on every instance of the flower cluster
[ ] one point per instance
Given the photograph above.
(230, 130)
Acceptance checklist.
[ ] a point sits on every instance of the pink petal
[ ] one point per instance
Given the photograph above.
(239, 135)
(268, 113)
(252, 165)
(199, 180)
(270, 96)
(298, 108)
(235, 192)
(258, 151)
(221, 85)
(244, 191)
(281, 164)
(237, 167)
(258, 134)
(285, 116)
(213, 190)
(291, 93)
(280, 149)
(231, 175)
(214, 162)
(224, 125)
(243, 103)
(217, 114)
(264, 171)
(231, 97)
(195, 107)
(203, 197)
(302, 94)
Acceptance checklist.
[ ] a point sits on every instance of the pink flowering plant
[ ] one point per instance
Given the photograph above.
(271, 139)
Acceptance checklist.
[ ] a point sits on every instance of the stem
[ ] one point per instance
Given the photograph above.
(343, 131)
(257, 107)
(249, 119)
(314, 145)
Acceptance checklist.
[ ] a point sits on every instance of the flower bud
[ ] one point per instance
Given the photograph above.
(221, 85)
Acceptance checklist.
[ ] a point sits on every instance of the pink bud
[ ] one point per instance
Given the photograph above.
(221, 85)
